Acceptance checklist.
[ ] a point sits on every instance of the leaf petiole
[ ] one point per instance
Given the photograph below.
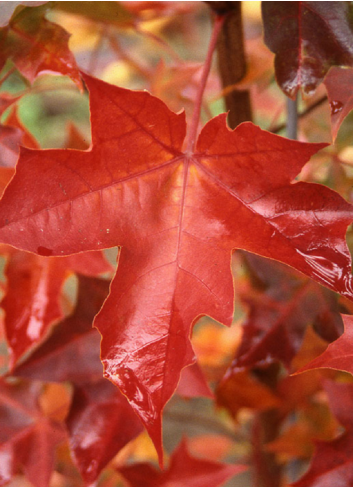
(190, 143)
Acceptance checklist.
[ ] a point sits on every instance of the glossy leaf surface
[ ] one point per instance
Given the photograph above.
(100, 423)
(32, 300)
(184, 471)
(332, 465)
(307, 38)
(135, 185)
(71, 353)
(35, 44)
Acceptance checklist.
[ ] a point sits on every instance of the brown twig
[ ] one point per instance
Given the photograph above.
(232, 61)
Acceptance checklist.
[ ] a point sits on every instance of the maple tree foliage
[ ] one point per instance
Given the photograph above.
(177, 193)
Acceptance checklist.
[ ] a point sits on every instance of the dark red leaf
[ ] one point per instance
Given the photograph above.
(32, 299)
(279, 313)
(100, 423)
(307, 38)
(177, 216)
(184, 471)
(71, 353)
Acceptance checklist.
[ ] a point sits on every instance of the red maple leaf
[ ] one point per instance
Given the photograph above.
(184, 471)
(176, 215)
(32, 299)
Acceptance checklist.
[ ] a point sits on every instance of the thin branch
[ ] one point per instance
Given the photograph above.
(190, 146)
(308, 110)
(292, 118)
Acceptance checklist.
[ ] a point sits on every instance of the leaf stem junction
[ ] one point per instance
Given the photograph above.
(190, 145)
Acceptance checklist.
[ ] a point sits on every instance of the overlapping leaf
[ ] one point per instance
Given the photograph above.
(332, 465)
(307, 38)
(184, 471)
(100, 423)
(193, 383)
(27, 438)
(279, 313)
(176, 216)
(339, 354)
(35, 44)
(32, 299)
(11, 136)
(71, 353)
(241, 389)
